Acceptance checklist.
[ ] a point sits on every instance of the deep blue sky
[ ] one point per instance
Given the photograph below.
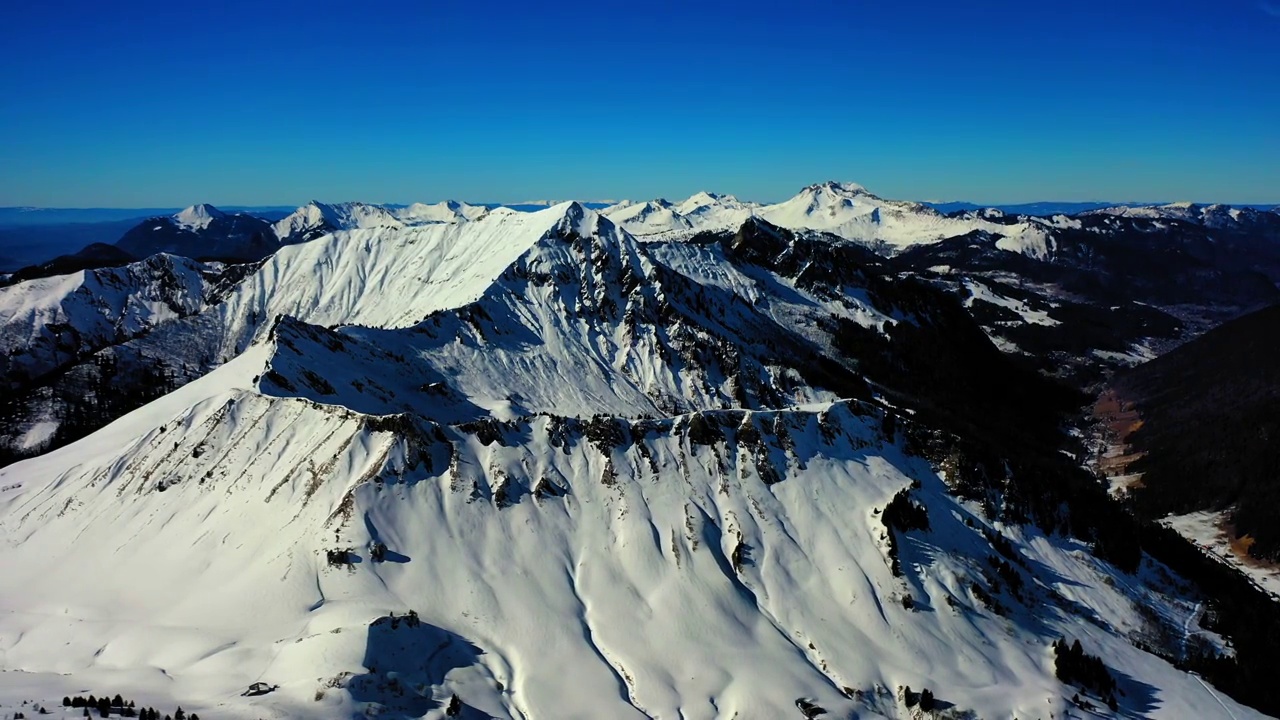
(154, 103)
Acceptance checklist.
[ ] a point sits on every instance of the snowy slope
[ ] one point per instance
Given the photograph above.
(553, 576)
(607, 480)
(387, 276)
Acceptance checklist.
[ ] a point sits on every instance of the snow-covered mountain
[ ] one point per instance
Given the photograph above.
(49, 322)
(199, 217)
(701, 211)
(533, 463)
(316, 218)
(68, 344)
(1210, 215)
(203, 231)
(844, 209)
(442, 212)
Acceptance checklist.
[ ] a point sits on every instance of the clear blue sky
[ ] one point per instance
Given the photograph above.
(156, 103)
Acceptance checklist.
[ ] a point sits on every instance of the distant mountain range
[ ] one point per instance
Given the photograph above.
(36, 216)
(33, 236)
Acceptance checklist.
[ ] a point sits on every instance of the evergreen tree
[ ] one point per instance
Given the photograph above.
(179, 714)
(66, 702)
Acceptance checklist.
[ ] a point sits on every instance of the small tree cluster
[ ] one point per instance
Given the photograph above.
(704, 431)
(740, 557)
(409, 620)
(923, 699)
(104, 706)
(1003, 546)
(605, 433)
(809, 709)
(1075, 667)
(902, 514)
(1007, 573)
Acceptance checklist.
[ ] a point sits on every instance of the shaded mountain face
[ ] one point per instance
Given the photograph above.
(94, 256)
(202, 231)
(527, 459)
(1210, 413)
(1110, 292)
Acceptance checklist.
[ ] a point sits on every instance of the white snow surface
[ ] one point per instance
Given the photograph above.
(422, 388)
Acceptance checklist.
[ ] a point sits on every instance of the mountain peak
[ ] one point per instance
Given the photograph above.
(702, 196)
(198, 217)
(839, 188)
(575, 217)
